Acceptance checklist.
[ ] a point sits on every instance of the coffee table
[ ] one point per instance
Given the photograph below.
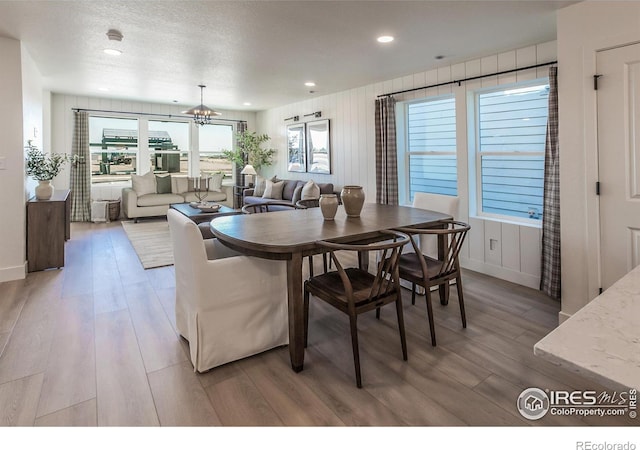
(199, 216)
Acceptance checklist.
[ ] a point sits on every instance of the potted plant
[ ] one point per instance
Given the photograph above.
(43, 167)
(249, 150)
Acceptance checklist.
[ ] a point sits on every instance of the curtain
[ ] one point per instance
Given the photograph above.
(241, 127)
(386, 152)
(80, 183)
(550, 264)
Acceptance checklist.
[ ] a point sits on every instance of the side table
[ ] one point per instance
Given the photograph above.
(237, 196)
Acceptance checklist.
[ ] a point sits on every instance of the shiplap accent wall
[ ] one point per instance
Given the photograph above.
(62, 128)
(506, 250)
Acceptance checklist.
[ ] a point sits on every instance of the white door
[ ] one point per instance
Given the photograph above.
(618, 97)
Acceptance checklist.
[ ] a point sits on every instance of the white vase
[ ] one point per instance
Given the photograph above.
(353, 200)
(328, 206)
(44, 190)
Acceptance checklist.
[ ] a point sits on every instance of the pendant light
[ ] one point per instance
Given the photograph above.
(201, 114)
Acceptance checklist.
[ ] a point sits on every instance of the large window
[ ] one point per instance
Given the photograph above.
(169, 146)
(510, 140)
(430, 147)
(213, 139)
(113, 144)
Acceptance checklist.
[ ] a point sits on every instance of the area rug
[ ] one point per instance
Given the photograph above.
(151, 241)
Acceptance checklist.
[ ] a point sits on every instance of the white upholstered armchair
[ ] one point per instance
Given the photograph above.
(228, 306)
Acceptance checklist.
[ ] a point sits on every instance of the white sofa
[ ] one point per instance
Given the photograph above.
(228, 306)
(153, 204)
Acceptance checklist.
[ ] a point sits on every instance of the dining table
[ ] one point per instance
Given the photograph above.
(293, 234)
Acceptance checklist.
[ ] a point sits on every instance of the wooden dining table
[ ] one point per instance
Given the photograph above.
(292, 235)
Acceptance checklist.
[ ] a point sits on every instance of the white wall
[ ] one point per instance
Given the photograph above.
(583, 29)
(62, 127)
(12, 195)
(516, 257)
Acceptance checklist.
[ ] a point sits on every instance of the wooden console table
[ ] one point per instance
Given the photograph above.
(48, 227)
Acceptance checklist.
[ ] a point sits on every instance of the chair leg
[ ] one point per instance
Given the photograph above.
(354, 343)
(311, 266)
(378, 313)
(461, 301)
(413, 293)
(403, 336)
(306, 317)
(430, 316)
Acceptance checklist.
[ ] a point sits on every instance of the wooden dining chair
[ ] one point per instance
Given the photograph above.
(256, 208)
(426, 271)
(355, 291)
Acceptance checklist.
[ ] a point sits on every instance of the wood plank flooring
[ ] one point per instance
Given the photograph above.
(94, 344)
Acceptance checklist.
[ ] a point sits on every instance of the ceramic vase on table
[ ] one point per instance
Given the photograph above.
(328, 205)
(353, 200)
(44, 190)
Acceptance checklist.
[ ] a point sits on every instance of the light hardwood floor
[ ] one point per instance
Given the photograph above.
(94, 344)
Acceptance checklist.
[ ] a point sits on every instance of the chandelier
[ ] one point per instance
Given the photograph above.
(201, 114)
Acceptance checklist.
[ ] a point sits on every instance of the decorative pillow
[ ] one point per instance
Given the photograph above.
(163, 184)
(273, 190)
(310, 191)
(260, 185)
(144, 184)
(215, 182)
(179, 185)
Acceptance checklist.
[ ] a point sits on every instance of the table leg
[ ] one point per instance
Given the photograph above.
(443, 289)
(363, 260)
(296, 311)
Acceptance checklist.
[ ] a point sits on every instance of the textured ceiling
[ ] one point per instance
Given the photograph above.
(260, 51)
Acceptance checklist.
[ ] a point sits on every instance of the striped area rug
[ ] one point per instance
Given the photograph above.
(151, 241)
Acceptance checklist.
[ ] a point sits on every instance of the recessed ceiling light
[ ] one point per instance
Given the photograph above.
(103, 89)
(247, 104)
(310, 83)
(113, 52)
(385, 39)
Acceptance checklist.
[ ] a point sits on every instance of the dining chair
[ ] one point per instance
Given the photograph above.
(427, 271)
(355, 291)
(257, 208)
(446, 204)
(306, 204)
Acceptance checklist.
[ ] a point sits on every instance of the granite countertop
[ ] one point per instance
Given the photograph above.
(602, 340)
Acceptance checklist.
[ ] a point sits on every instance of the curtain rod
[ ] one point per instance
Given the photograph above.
(469, 79)
(178, 116)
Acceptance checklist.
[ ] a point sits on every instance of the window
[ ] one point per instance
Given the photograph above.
(213, 139)
(510, 140)
(169, 146)
(430, 147)
(113, 145)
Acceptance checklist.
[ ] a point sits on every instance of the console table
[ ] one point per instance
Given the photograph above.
(48, 227)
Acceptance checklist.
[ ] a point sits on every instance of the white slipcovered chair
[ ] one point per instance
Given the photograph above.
(445, 204)
(228, 306)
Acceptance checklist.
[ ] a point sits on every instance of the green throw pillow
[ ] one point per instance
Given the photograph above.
(163, 184)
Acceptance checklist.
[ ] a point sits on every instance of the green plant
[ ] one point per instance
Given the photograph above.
(249, 151)
(42, 166)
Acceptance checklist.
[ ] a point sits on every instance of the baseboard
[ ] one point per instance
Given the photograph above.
(520, 278)
(13, 273)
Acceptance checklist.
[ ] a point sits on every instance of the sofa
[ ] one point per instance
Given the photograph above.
(151, 195)
(291, 192)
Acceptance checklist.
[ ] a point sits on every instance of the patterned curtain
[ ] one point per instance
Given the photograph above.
(550, 273)
(386, 152)
(241, 127)
(80, 182)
